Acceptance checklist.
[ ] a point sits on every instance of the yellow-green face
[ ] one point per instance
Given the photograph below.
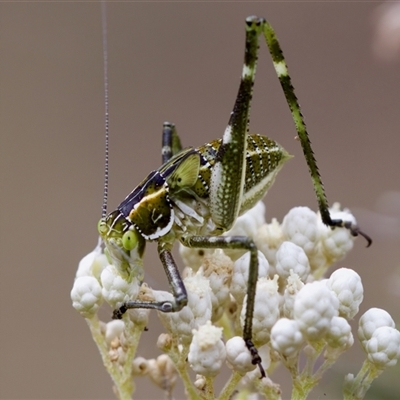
(124, 244)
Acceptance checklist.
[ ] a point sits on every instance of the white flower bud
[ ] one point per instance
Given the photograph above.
(300, 226)
(140, 366)
(85, 265)
(86, 296)
(193, 257)
(266, 309)
(314, 307)
(162, 372)
(268, 239)
(336, 243)
(339, 334)
(140, 316)
(249, 223)
(294, 285)
(383, 348)
(347, 286)
(92, 264)
(291, 257)
(286, 337)
(114, 329)
(116, 290)
(241, 274)
(196, 313)
(218, 268)
(200, 382)
(238, 356)
(371, 320)
(207, 351)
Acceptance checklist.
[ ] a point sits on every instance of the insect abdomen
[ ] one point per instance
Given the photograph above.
(264, 159)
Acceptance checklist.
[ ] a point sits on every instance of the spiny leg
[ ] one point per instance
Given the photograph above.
(227, 179)
(176, 284)
(288, 89)
(171, 143)
(241, 243)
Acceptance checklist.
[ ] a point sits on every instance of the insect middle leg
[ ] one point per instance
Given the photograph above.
(237, 243)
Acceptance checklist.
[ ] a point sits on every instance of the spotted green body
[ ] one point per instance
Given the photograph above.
(197, 193)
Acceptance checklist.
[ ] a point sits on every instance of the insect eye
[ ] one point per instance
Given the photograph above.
(102, 227)
(129, 240)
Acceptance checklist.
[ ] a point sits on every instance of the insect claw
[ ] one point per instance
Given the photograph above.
(119, 312)
(354, 229)
(167, 307)
(256, 359)
(261, 368)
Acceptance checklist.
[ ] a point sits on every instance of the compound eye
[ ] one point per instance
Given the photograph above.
(102, 227)
(129, 240)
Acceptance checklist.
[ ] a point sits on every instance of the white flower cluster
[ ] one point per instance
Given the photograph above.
(295, 309)
(379, 338)
(97, 281)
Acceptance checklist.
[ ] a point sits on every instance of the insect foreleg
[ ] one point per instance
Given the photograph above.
(171, 143)
(241, 243)
(175, 282)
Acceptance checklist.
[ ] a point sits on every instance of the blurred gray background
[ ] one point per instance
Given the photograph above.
(179, 62)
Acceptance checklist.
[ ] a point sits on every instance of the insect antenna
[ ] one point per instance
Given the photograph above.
(106, 113)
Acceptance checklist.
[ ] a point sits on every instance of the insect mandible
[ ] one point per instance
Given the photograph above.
(197, 193)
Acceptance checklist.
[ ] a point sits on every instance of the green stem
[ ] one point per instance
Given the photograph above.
(124, 387)
(230, 386)
(302, 386)
(209, 388)
(358, 387)
(179, 360)
(304, 382)
(133, 333)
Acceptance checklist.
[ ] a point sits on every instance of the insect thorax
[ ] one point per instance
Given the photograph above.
(174, 199)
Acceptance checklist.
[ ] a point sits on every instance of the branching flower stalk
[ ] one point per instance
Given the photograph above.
(297, 313)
